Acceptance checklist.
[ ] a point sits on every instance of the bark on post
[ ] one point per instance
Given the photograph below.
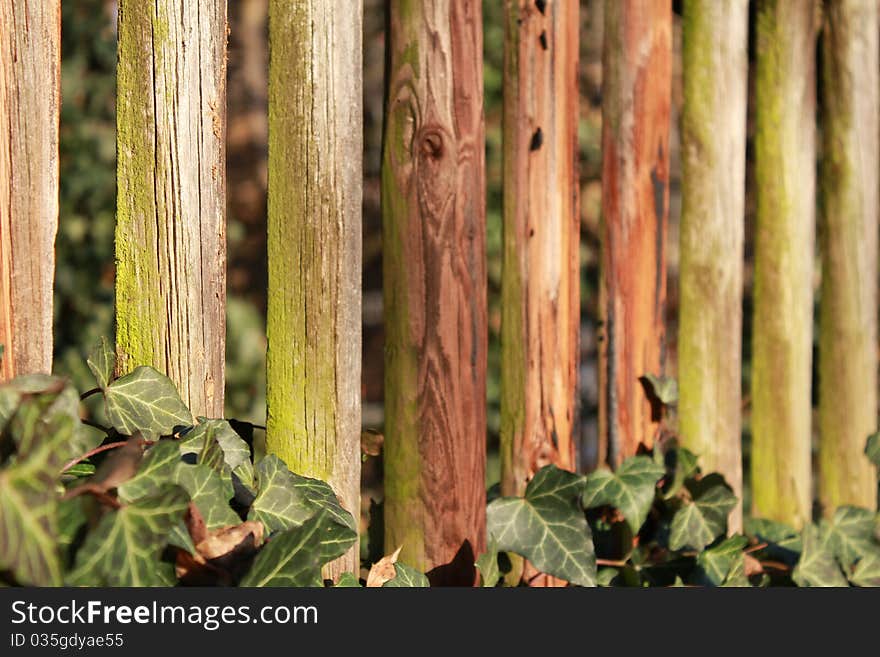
(433, 211)
(30, 40)
(314, 242)
(540, 284)
(848, 242)
(637, 69)
(171, 182)
(713, 146)
(785, 156)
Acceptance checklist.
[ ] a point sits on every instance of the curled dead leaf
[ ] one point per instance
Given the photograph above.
(383, 570)
(226, 539)
(371, 442)
(752, 566)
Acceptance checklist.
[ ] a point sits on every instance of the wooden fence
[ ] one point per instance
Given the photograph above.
(170, 238)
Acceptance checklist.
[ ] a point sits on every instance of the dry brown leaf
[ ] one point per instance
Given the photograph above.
(383, 570)
(371, 442)
(752, 566)
(226, 539)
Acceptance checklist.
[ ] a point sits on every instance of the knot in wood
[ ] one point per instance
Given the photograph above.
(431, 144)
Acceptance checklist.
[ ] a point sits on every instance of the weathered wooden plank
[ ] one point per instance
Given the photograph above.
(30, 100)
(637, 69)
(785, 160)
(849, 173)
(314, 301)
(171, 186)
(713, 147)
(540, 299)
(433, 210)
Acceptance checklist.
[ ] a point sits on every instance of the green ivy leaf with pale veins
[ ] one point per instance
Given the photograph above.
(817, 565)
(631, 489)
(487, 564)
(145, 401)
(548, 526)
(154, 471)
(700, 522)
(714, 565)
(850, 534)
(29, 540)
(294, 557)
(124, 548)
(102, 362)
(287, 500)
(406, 577)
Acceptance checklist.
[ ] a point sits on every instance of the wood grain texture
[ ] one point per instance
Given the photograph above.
(171, 186)
(785, 160)
(849, 173)
(540, 299)
(30, 41)
(713, 147)
(314, 242)
(637, 69)
(433, 208)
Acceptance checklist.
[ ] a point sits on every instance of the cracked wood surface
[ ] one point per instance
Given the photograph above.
(30, 39)
(433, 206)
(540, 282)
(171, 194)
(637, 69)
(314, 243)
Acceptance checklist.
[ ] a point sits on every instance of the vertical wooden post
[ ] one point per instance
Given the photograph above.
(540, 300)
(30, 100)
(713, 147)
(171, 186)
(785, 160)
(314, 241)
(433, 209)
(637, 70)
(848, 238)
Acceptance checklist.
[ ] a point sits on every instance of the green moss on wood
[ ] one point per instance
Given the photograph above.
(782, 332)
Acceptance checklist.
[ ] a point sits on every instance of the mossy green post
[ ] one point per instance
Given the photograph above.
(314, 242)
(433, 232)
(713, 147)
(848, 243)
(171, 194)
(785, 160)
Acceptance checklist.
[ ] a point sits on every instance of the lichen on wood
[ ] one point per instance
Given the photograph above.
(171, 194)
(314, 243)
(713, 151)
(433, 214)
(782, 331)
(849, 171)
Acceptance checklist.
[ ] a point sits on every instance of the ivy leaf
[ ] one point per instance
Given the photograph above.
(737, 577)
(665, 388)
(236, 453)
(783, 542)
(700, 522)
(294, 556)
(71, 517)
(872, 449)
(102, 362)
(715, 564)
(124, 548)
(49, 396)
(28, 520)
(487, 564)
(683, 463)
(406, 577)
(155, 470)
(547, 526)
(287, 500)
(867, 570)
(850, 534)
(209, 492)
(347, 581)
(145, 401)
(817, 565)
(631, 489)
